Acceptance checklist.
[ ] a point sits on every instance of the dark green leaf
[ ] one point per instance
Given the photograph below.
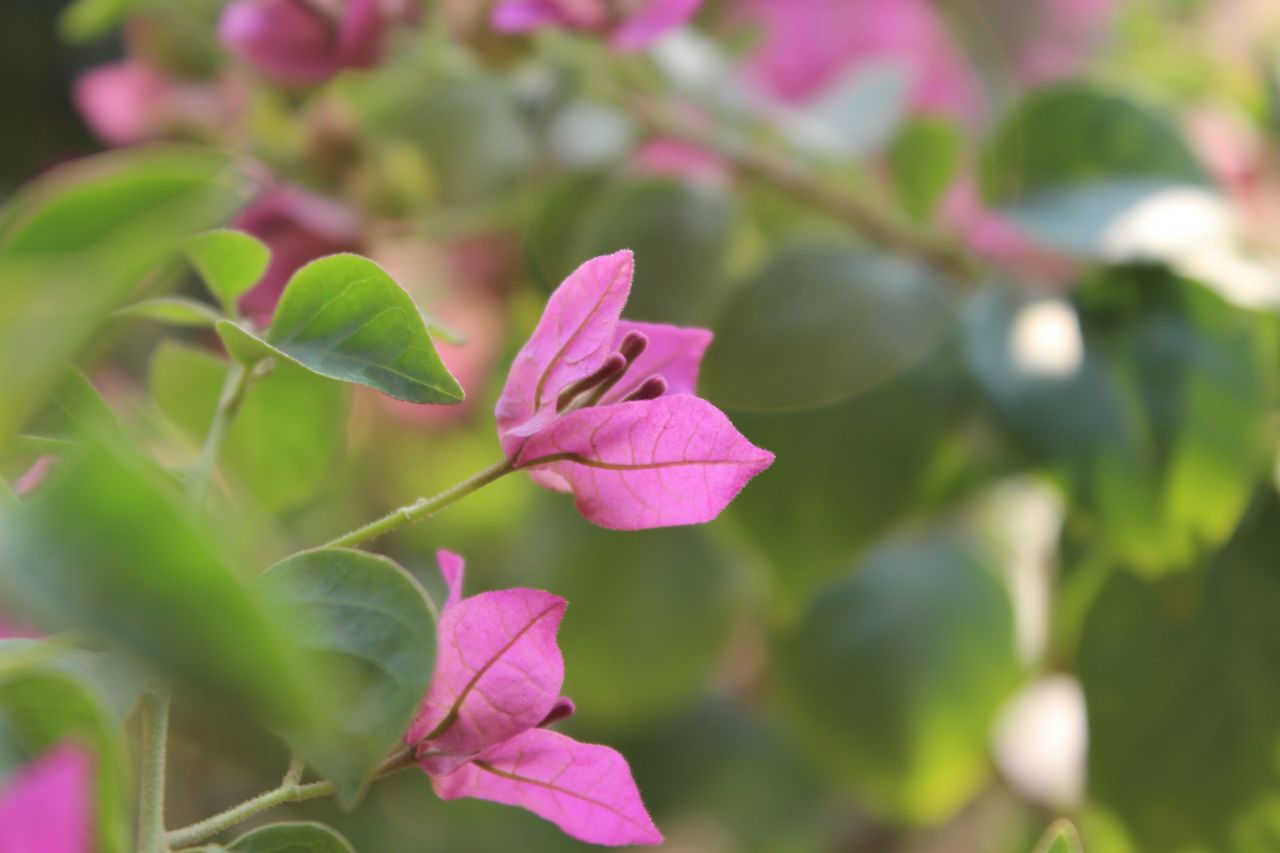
(894, 679)
(40, 708)
(1184, 704)
(621, 668)
(343, 317)
(367, 629)
(1069, 159)
(923, 161)
(821, 324)
(1161, 432)
(286, 435)
(106, 549)
(229, 262)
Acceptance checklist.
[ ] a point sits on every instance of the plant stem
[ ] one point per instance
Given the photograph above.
(422, 508)
(238, 378)
(155, 735)
(286, 793)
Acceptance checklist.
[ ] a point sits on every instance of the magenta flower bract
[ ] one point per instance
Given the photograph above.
(47, 807)
(646, 23)
(298, 227)
(480, 731)
(298, 42)
(605, 408)
(132, 101)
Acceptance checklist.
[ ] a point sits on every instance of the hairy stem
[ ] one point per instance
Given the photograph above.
(155, 735)
(287, 792)
(422, 508)
(238, 378)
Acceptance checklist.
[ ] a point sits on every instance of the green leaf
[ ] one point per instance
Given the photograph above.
(1070, 159)
(88, 19)
(106, 548)
(895, 677)
(343, 317)
(366, 625)
(627, 673)
(229, 263)
(1161, 433)
(679, 233)
(174, 310)
(107, 220)
(40, 708)
(1180, 682)
(1061, 837)
(291, 838)
(285, 438)
(846, 474)
(820, 324)
(923, 161)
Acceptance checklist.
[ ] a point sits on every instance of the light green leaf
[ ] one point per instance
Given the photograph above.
(40, 708)
(820, 324)
(229, 263)
(104, 220)
(285, 438)
(1070, 159)
(1061, 837)
(893, 680)
(923, 160)
(88, 19)
(174, 310)
(343, 317)
(107, 549)
(367, 628)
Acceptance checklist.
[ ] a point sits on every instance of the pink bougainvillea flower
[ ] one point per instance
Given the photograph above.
(808, 44)
(298, 42)
(480, 731)
(604, 408)
(132, 101)
(46, 806)
(298, 227)
(643, 22)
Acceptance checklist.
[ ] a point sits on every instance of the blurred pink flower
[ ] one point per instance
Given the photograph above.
(1065, 35)
(480, 732)
(298, 226)
(808, 44)
(605, 408)
(996, 239)
(644, 23)
(298, 42)
(132, 101)
(46, 806)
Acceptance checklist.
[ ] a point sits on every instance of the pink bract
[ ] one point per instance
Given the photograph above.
(297, 43)
(583, 788)
(132, 101)
(46, 806)
(480, 731)
(632, 31)
(604, 408)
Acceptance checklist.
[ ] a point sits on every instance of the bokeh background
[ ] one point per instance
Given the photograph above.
(1019, 556)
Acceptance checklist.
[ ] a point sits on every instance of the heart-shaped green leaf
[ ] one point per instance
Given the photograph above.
(345, 318)
(367, 629)
(105, 547)
(229, 263)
